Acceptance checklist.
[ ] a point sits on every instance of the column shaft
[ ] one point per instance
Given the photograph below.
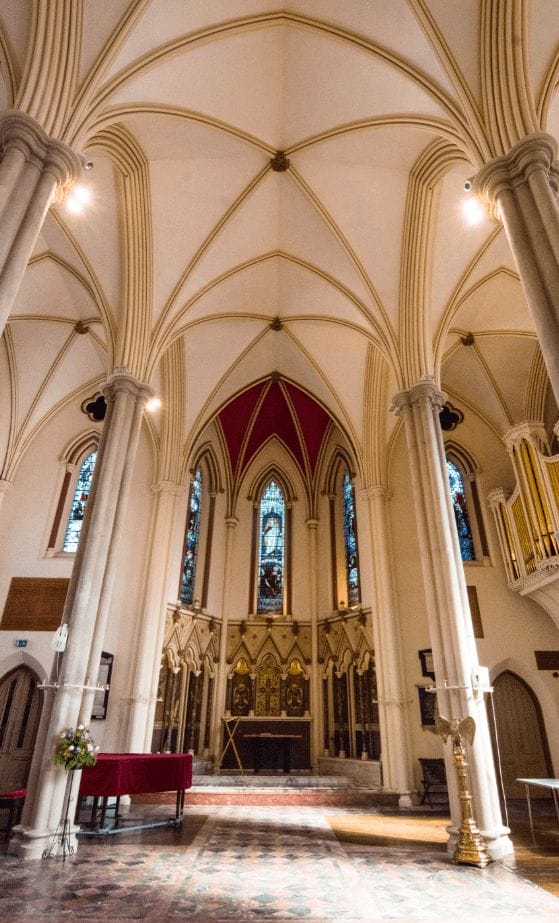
(150, 641)
(316, 684)
(221, 677)
(32, 169)
(450, 626)
(396, 757)
(88, 590)
(521, 188)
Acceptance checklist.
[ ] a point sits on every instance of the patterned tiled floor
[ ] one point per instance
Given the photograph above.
(261, 863)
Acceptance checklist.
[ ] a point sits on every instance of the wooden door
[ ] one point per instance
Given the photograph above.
(521, 734)
(19, 718)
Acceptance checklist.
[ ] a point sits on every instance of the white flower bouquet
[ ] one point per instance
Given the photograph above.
(75, 749)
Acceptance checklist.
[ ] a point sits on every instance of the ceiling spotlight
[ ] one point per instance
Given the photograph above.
(88, 165)
(468, 184)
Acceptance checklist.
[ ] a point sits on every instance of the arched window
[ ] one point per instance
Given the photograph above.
(81, 495)
(344, 544)
(190, 555)
(461, 516)
(350, 541)
(271, 550)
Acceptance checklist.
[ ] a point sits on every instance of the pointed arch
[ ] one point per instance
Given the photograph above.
(74, 457)
(272, 496)
(205, 484)
(344, 545)
(463, 474)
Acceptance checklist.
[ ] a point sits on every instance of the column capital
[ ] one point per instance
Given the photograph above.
(312, 524)
(168, 487)
(495, 498)
(376, 491)
(121, 382)
(426, 391)
(231, 522)
(532, 431)
(503, 174)
(18, 131)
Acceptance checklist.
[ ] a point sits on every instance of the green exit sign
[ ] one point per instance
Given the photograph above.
(21, 642)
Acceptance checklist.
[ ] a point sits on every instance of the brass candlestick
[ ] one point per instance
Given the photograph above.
(470, 848)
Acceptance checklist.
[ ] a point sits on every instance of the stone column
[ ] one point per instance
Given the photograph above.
(32, 170)
(145, 669)
(450, 625)
(221, 672)
(316, 684)
(396, 757)
(85, 611)
(521, 189)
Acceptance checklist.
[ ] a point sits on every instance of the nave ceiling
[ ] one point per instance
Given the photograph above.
(277, 188)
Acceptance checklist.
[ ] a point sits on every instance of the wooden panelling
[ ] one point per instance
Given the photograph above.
(34, 604)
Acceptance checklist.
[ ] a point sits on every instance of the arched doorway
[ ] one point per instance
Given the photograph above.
(20, 710)
(521, 733)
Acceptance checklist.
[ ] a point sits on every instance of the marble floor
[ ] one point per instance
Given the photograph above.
(236, 862)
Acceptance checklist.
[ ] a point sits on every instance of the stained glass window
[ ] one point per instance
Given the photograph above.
(81, 495)
(191, 541)
(271, 558)
(350, 540)
(460, 512)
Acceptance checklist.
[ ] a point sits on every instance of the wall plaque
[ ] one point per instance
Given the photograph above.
(547, 660)
(34, 603)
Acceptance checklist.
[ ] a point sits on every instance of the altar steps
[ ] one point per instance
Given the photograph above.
(271, 789)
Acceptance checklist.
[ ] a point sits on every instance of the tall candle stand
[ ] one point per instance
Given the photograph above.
(470, 848)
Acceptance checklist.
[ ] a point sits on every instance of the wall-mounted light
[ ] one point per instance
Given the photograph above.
(153, 404)
(473, 210)
(78, 197)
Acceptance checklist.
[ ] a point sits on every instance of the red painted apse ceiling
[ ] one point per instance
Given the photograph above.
(274, 408)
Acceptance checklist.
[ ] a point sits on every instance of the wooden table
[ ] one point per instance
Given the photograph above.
(551, 785)
(260, 740)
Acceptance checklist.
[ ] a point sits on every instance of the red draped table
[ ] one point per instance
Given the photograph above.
(116, 774)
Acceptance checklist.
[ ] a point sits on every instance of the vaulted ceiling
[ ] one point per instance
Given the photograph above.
(277, 187)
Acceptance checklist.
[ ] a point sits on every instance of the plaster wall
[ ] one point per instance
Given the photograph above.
(25, 523)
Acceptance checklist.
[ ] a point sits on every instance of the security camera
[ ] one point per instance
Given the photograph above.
(468, 184)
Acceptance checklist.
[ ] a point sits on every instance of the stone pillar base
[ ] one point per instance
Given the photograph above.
(497, 842)
(29, 844)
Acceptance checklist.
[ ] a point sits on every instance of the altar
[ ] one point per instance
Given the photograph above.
(266, 744)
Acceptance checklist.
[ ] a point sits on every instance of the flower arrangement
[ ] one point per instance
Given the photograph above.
(75, 749)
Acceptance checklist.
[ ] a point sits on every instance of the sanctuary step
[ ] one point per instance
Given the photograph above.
(292, 789)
